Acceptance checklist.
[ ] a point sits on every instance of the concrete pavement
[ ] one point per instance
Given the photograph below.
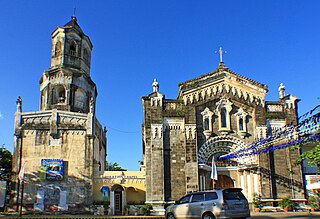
(254, 215)
(283, 215)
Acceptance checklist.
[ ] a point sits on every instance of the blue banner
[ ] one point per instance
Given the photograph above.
(54, 168)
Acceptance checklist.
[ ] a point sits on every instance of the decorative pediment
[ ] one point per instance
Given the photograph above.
(219, 82)
(217, 90)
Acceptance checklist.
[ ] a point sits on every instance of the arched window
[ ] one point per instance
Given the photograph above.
(58, 94)
(223, 118)
(80, 99)
(241, 116)
(58, 48)
(241, 125)
(224, 107)
(54, 96)
(206, 124)
(73, 48)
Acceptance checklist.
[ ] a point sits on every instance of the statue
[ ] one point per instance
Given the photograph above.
(19, 104)
(155, 85)
(281, 90)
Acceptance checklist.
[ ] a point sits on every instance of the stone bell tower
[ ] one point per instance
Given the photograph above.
(67, 85)
(63, 145)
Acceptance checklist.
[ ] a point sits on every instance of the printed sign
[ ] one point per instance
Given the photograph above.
(54, 168)
(105, 193)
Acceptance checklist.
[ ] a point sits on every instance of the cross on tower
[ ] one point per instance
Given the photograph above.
(221, 53)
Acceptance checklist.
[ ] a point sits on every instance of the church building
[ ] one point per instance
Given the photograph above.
(216, 114)
(60, 151)
(61, 147)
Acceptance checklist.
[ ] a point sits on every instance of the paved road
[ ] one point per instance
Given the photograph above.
(254, 215)
(283, 215)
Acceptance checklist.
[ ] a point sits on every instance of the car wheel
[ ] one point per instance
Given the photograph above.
(170, 216)
(208, 216)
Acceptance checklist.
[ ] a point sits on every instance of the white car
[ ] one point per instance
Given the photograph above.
(219, 203)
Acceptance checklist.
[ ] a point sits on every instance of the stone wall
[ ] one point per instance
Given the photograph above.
(71, 141)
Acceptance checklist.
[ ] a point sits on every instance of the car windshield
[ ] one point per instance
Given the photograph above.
(233, 194)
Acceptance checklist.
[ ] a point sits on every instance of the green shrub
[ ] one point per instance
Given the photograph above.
(313, 201)
(146, 209)
(286, 203)
(257, 201)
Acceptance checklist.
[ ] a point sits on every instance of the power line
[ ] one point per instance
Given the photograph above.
(127, 132)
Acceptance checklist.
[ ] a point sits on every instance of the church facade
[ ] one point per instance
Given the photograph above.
(216, 114)
(62, 146)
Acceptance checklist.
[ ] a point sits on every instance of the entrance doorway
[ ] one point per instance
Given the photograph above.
(118, 200)
(224, 181)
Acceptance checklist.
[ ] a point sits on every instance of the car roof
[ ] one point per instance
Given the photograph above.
(216, 190)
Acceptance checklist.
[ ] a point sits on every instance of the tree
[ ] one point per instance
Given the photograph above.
(114, 167)
(5, 164)
(6, 168)
(313, 156)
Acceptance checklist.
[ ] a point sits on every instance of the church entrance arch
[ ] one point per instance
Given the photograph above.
(214, 147)
(217, 146)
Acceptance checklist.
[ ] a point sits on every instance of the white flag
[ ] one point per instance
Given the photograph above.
(21, 172)
(214, 173)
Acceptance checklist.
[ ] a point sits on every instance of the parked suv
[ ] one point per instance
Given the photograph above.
(219, 203)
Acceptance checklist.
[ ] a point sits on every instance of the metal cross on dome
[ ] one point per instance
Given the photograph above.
(221, 53)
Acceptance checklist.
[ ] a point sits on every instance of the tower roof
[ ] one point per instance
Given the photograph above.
(73, 25)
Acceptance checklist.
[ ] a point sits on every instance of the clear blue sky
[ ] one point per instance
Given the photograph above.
(136, 41)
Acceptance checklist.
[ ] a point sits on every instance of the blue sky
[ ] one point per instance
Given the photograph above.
(136, 41)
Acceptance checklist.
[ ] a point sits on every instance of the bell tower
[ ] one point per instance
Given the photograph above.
(67, 85)
(64, 143)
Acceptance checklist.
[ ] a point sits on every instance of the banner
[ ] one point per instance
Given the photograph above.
(21, 172)
(54, 168)
(214, 173)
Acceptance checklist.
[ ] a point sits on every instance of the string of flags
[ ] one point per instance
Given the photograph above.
(291, 135)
